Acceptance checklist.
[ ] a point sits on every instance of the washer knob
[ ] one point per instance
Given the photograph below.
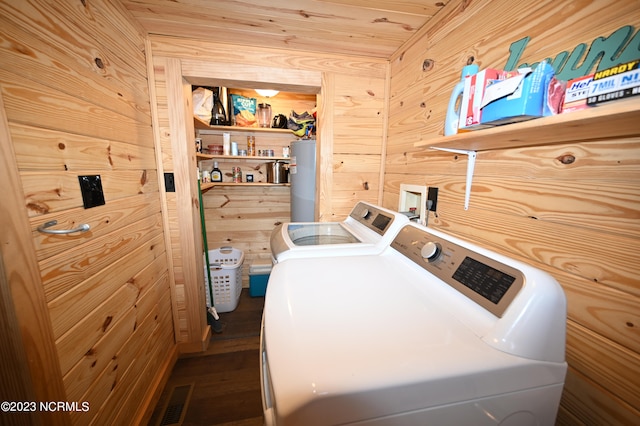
(431, 251)
(365, 213)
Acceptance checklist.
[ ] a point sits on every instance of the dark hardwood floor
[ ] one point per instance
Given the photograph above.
(221, 386)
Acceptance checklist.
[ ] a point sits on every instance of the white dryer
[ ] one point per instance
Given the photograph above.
(432, 331)
(367, 230)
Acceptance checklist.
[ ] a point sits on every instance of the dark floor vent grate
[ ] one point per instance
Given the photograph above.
(177, 405)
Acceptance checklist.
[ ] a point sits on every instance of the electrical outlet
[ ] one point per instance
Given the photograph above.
(91, 188)
(432, 199)
(169, 182)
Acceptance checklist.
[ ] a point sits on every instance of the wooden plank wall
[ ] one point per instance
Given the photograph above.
(73, 78)
(351, 125)
(578, 220)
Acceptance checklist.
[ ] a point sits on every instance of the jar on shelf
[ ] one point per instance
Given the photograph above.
(251, 145)
(236, 175)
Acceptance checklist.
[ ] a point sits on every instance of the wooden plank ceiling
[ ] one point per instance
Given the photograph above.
(371, 28)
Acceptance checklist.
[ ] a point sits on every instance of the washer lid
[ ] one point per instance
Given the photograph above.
(342, 330)
(306, 234)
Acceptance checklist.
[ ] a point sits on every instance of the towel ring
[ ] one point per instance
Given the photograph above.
(44, 228)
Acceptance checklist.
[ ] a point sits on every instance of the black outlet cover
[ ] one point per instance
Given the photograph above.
(91, 188)
(169, 182)
(432, 196)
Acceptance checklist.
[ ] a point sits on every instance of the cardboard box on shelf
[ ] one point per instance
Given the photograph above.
(620, 81)
(474, 88)
(575, 97)
(530, 94)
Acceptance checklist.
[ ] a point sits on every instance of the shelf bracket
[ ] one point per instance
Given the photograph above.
(471, 164)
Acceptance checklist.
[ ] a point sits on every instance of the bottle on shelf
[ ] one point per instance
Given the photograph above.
(251, 145)
(226, 143)
(236, 175)
(216, 174)
(218, 113)
(453, 109)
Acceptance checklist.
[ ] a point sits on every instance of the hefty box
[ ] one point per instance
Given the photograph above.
(575, 97)
(474, 87)
(529, 94)
(621, 81)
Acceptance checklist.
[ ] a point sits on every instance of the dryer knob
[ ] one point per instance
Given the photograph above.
(365, 213)
(431, 251)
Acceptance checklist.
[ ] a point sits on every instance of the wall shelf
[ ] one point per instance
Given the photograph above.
(201, 125)
(240, 157)
(209, 185)
(607, 121)
(612, 120)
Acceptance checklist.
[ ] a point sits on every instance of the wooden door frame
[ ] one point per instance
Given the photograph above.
(180, 75)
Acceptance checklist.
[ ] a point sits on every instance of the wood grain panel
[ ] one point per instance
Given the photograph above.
(102, 220)
(305, 26)
(612, 366)
(162, 112)
(612, 209)
(30, 368)
(250, 76)
(94, 363)
(612, 160)
(358, 119)
(114, 383)
(62, 23)
(144, 369)
(81, 379)
(206, 50)
(28, 102)
(149, 374)
(65, 72)
(359, 98)
(591, 404)
(415, 7)
(324, 162)
(54, 191)
(63, 151)
(83, 336)
(608, 313)
(82, 262)
(69, 308)
(355, 143)
(189, 239)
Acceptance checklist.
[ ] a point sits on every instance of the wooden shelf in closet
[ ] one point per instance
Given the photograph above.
(210, 185)
(615, 119)
(202, 125)
(203, 156)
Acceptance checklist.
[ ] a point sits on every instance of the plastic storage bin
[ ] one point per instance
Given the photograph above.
(258, 279)
(226, 278)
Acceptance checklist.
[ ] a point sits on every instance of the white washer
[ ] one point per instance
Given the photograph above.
(434, 330)
(368, 229)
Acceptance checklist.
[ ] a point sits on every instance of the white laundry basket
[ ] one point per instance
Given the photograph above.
(226, 277)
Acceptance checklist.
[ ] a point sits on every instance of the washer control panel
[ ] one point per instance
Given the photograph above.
(489, 283)
(373, 218)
